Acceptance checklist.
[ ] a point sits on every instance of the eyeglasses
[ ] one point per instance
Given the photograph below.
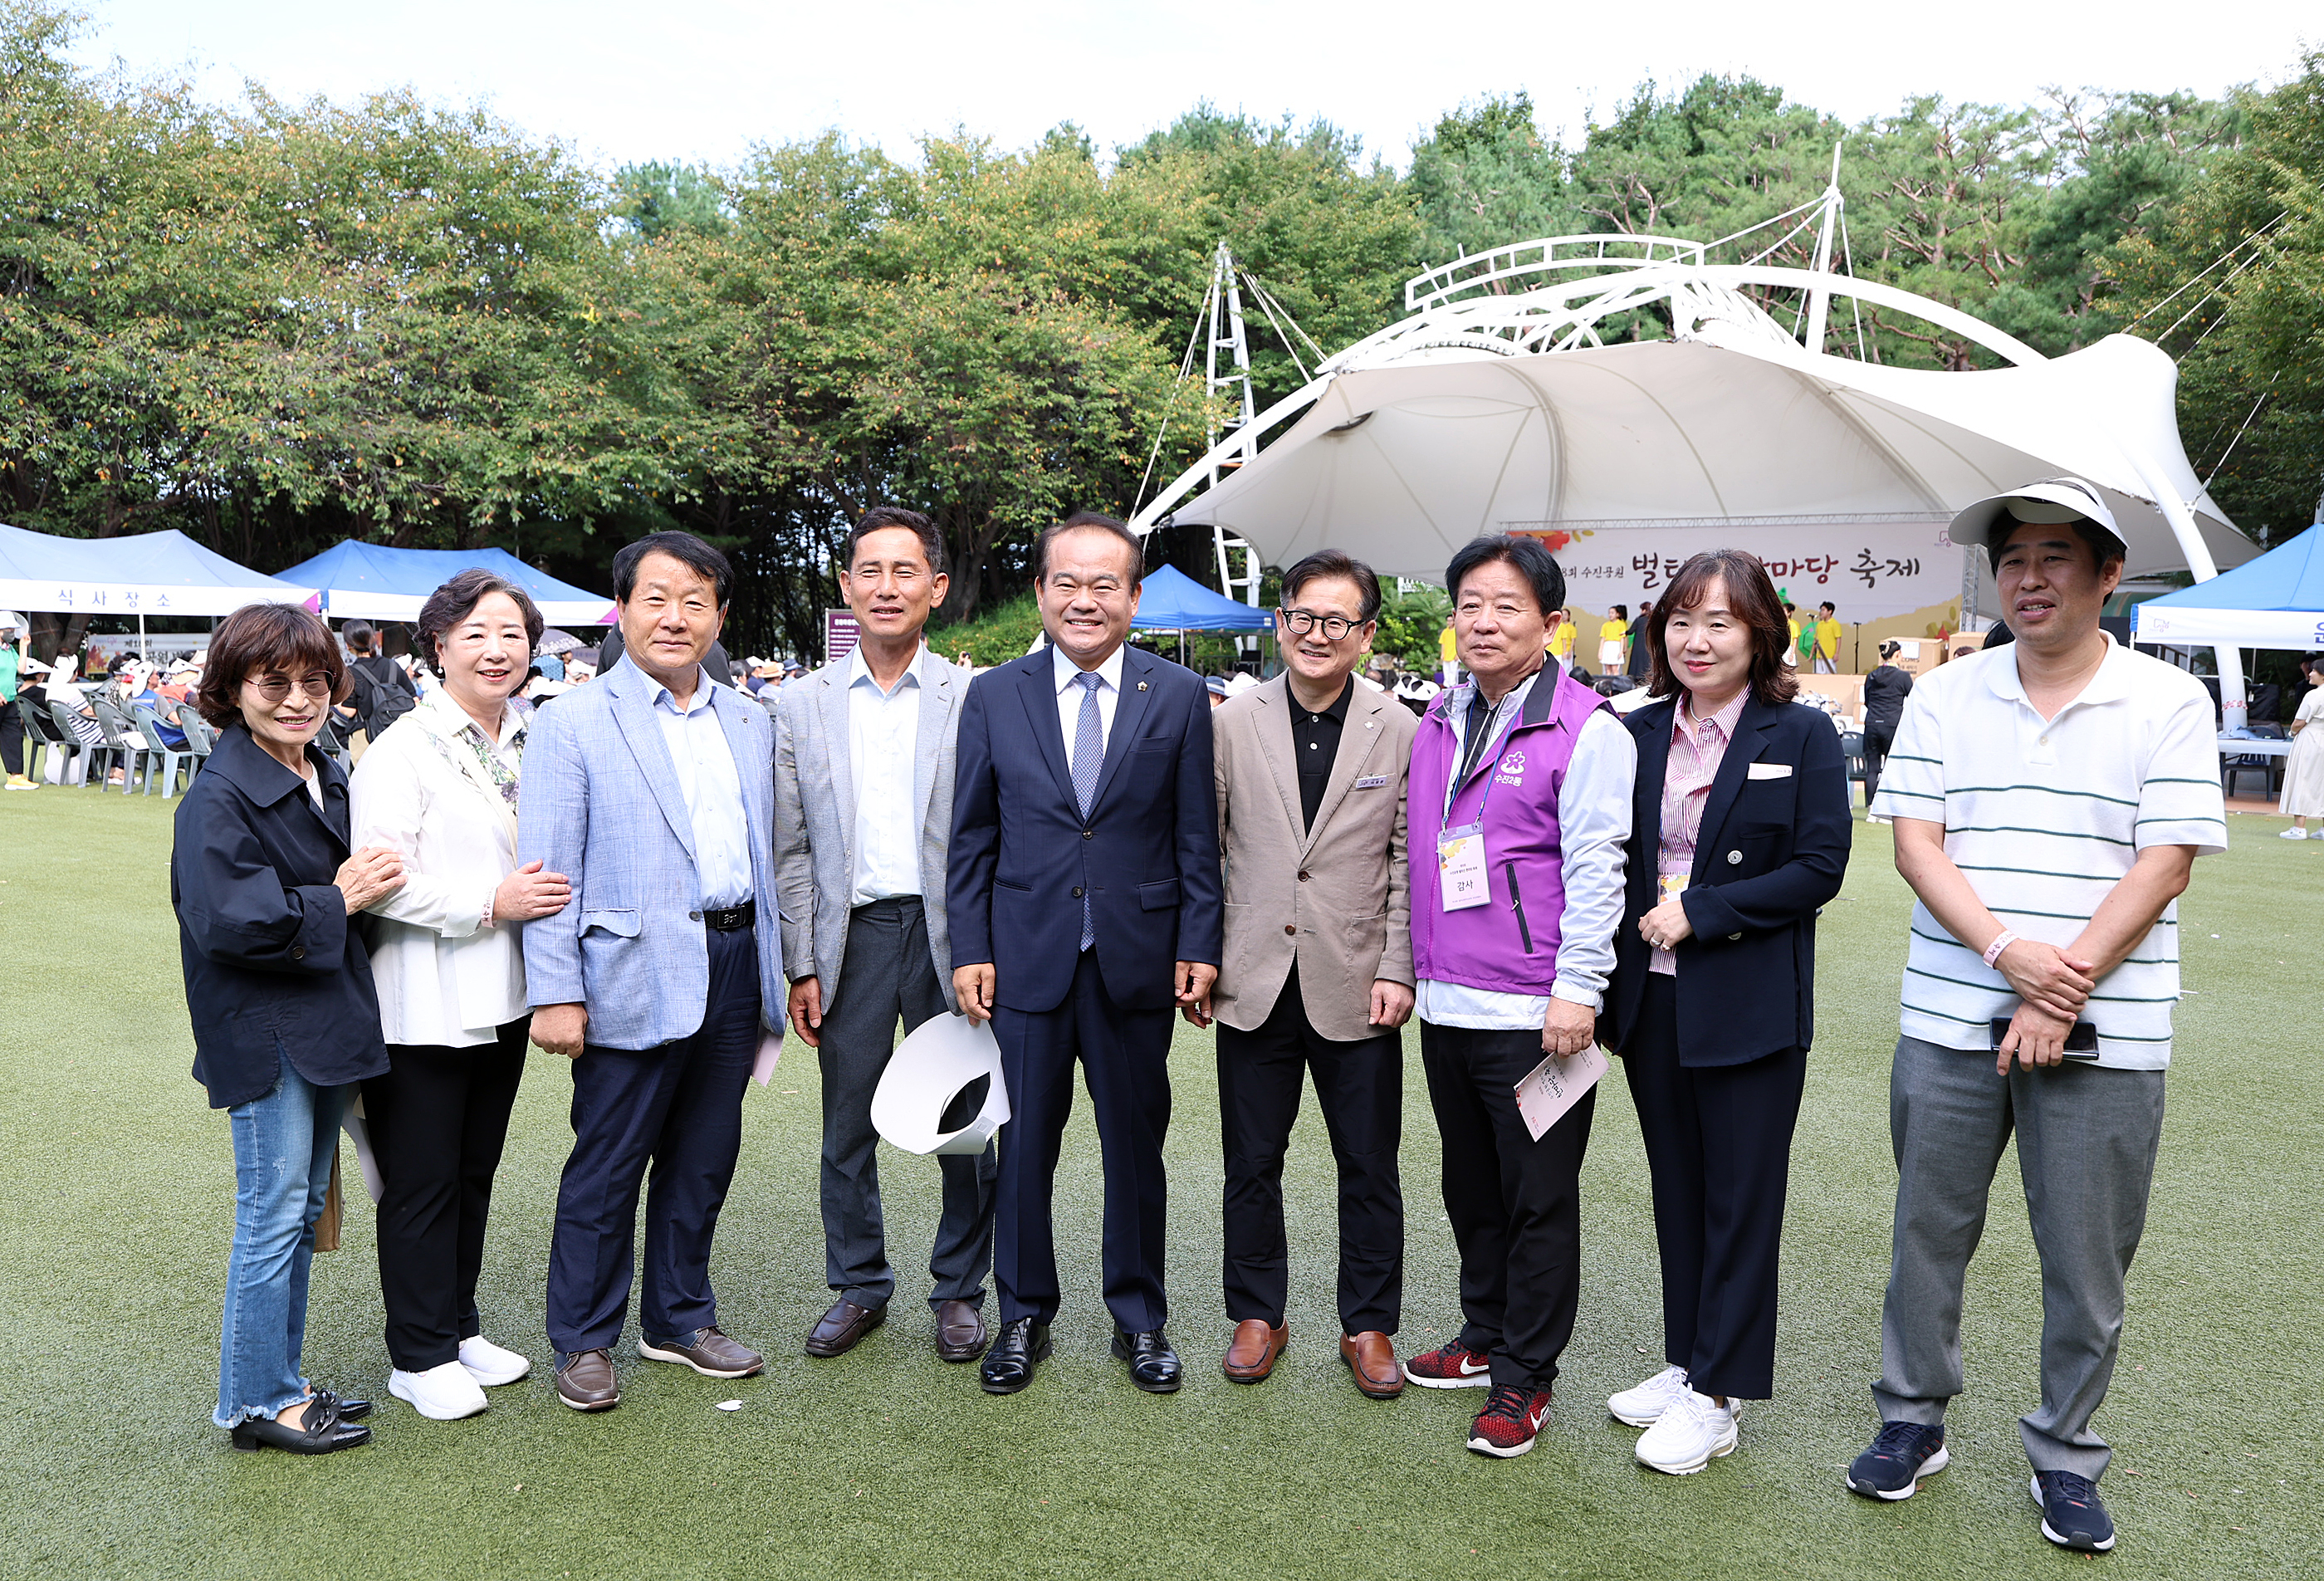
(1300, 621)
(275, 688)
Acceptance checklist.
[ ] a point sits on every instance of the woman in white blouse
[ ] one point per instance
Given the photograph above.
(440, 786)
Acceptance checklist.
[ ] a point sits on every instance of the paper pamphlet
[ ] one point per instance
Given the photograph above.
(928, 1071)
(1555, 1086)
(771, 1048)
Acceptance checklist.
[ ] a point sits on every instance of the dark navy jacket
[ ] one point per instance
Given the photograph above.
(1021, 852)
(1772, 851)
(274, 967)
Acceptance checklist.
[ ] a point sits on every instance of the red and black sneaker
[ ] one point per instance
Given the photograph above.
(1450, 1366)
(1510, 1421)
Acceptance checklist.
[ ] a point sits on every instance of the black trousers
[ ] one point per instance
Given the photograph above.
(888, 975)
(436, 1120)
(1718, 1141)
(11, 737)
(1515, 1204)
(678, 1108)
(1125, 1058)
(1360, 1087)
(1876, 743)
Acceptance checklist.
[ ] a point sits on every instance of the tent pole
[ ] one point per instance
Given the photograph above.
(2234, 703)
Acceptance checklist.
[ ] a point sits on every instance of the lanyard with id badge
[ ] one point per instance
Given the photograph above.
(1460, 866)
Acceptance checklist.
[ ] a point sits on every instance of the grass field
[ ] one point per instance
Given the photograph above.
(119, 1184)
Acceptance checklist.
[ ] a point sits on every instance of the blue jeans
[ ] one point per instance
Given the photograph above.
(284, 1144)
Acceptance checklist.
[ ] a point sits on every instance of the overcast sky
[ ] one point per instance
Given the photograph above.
(704, 80)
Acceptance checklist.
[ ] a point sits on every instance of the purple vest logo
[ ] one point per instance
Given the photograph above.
(1512, 769)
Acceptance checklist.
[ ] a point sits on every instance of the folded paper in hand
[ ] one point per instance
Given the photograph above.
(930, 1068)
(1555, 1085)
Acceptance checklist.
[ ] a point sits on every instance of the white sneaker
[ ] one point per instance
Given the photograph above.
(1688, 1435)
(441, 1394)
(1641, 1407)
(2292, 835)
(491, 1364)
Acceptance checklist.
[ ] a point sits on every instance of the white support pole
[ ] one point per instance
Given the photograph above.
(1820, 296)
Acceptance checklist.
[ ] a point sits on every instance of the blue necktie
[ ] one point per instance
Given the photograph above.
(1089, 757)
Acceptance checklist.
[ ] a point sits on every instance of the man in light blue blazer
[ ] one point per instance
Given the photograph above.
(863, 768)
(652, 790)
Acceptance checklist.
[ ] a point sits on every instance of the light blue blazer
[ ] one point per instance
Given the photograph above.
(601, 804)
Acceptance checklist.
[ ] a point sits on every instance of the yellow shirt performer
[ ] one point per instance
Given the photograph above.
(1827, 640)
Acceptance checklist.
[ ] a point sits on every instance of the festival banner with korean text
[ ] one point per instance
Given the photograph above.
(1869, 570)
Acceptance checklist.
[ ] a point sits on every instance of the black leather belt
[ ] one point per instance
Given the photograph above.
(732, 920)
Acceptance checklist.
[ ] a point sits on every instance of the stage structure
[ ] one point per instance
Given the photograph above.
(1498, 405)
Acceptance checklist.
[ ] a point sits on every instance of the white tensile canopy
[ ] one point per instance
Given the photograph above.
(1496, 408)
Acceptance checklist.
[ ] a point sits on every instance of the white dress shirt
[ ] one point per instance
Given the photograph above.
(714, 792)
(1069, 696)
(1594, 825)
(883, 734)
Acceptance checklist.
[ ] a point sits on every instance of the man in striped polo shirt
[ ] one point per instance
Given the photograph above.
(2050, 799)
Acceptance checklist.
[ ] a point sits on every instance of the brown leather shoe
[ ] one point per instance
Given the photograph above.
(842, 1327)
(960, 1331)
(707, 1352)
(586, 1380)
(1371, 1357)
(1251, 1357)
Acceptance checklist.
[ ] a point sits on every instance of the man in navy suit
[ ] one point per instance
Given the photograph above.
(1083, 893)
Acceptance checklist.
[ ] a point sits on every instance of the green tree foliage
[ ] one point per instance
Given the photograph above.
(653, 199)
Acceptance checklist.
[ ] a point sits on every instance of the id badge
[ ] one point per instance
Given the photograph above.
(1461, 867)
(1669, 886)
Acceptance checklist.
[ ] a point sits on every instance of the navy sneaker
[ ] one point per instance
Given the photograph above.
(2072, 1516)
(1903, 1454)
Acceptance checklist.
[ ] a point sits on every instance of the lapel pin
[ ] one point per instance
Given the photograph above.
(1141, 686)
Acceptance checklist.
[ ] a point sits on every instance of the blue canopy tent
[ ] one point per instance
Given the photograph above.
(371, 581)
(1173, 601)
(2277, 601)
(145, 573)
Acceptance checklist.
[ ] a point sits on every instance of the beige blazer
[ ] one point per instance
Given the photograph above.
(1336, 898)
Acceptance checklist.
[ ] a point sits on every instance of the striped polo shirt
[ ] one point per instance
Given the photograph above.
(2043, 818)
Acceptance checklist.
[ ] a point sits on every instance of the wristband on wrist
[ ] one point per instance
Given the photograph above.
(2001, 941)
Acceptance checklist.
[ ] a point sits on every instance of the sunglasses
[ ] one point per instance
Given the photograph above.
(275, 688)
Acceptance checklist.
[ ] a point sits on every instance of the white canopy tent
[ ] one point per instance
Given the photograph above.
(1495, 408)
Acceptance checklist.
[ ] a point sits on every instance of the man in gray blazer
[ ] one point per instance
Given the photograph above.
(863, 764)
(652, 790)
(1316, 974)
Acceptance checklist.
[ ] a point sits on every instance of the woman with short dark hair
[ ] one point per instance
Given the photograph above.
(1741, 832)
(266, 885)
(1884, 692)
(440, 787)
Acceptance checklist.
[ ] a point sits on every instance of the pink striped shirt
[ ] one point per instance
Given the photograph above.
(1697, 748)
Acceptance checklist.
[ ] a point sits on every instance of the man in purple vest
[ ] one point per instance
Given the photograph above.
(1520, 790)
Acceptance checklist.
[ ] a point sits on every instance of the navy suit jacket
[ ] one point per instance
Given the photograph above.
(1022, 854)
(1772, 851)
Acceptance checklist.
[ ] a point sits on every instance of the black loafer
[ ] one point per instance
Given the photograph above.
(321, 1432)
(1153, 1364)
(1021, 1345)
(350, 1410)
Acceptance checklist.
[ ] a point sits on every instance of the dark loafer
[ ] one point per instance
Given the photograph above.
(959, 1332)
(1153, 1364)
(1021, 1345)
(706, 1351)
(320, 1431)
(1251, 1357)
(350, 1410)
(586, 1380)
(842, 1327)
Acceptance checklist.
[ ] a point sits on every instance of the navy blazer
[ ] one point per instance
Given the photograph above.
(1772, 851)
(274, 969)
(1021, 852)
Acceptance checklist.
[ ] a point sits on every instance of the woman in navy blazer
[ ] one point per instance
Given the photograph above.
(279, 988)
(1740, 835)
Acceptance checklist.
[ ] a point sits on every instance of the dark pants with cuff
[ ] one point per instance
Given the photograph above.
(1515, 1204)
(438, 1120)
(888, 974)
(1360, 1087)
(1125, 1058)
(677, 1109)
(1719, 1142)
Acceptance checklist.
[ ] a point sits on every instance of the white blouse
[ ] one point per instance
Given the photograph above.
(448, 976)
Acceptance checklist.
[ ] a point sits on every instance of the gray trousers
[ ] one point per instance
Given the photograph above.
(2086, 1144)
(887, 973)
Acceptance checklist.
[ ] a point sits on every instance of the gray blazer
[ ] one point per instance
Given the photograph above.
(602, 805)
(815, 816)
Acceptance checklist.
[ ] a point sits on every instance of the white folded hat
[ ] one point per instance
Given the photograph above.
(927, 1072)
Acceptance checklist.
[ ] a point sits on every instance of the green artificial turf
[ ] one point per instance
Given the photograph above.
(119, 1184)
